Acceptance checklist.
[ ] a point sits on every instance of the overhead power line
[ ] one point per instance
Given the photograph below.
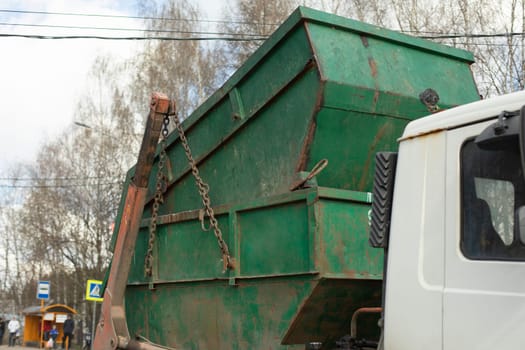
(166, 38)
(432, 35)
(222, 36)
(200, 20)
(252, 37)
(125, 29)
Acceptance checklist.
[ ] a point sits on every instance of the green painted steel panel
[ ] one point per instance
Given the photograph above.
(274, 240)
(136, 273)
(344, 236)
(185, 249)
(350, 141)
(305, 245)
(186, 252)
(188, 316)
(226, 170)
(314, 62)
(321, 87)
(253, 314)
(271, 75)
(386, 77)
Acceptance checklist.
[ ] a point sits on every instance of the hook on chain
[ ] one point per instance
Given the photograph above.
(207, 211)
(204, 189)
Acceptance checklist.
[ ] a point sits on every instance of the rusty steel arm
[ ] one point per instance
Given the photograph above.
(112, 329)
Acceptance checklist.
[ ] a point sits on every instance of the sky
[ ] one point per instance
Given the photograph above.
(42, 80)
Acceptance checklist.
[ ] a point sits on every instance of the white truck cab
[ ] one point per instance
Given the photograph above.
(449, 210)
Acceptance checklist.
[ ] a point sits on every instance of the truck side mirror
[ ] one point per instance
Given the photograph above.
(507, 133)
(503, 134)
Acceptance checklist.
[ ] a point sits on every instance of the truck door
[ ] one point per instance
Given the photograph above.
(484, 295)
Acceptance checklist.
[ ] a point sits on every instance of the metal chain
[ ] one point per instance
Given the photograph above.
(204, 189)
(158, 199)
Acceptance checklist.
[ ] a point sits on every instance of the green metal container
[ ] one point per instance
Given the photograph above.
(321, 87)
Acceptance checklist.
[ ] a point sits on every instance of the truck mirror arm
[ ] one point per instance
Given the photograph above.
(508, 132)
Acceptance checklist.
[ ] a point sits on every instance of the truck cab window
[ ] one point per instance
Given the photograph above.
(499, 195)
(491, 204)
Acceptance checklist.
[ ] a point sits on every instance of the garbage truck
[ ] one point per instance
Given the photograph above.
(344, 189)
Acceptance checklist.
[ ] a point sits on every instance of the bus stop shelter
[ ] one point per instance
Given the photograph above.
(39, 320)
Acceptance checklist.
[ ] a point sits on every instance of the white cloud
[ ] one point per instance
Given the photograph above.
(41, 80)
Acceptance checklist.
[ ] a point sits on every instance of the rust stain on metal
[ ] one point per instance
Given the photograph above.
(169, 170)
(310, 42)
(364, 40)
(320, 262)
(184, 215)
(371, 152)
(339, 251)
(373, 66)
(434, 131)
(154, 297)
(160, 105)
(303, 156)
(112, 330)
(305, 149)
(376, 97)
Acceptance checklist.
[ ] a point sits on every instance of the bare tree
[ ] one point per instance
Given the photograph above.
(188, 70)
(61, 231)
(252, 18)
(17, 267)
(261, 18)
(483, 27)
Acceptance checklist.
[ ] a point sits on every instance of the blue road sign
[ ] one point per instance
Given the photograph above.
(94, 290)
(43, 289)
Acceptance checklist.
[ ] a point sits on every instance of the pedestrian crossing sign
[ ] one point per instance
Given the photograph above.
(94, 290)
